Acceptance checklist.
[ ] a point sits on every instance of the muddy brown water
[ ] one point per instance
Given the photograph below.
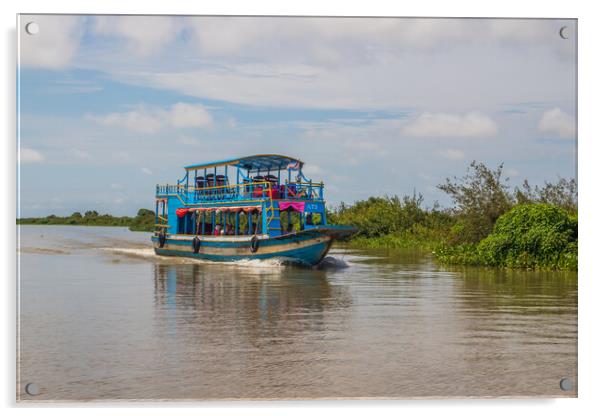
(103, 318)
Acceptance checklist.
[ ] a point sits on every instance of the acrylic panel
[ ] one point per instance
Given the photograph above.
(237, 207)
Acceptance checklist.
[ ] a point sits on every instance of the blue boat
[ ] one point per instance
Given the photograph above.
(270, 211)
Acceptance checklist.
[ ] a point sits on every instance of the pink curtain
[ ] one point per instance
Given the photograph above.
(297, 206)
(225, 209)
(180, 212)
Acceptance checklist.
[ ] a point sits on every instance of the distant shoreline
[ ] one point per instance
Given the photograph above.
(143, 221)
(72, 225)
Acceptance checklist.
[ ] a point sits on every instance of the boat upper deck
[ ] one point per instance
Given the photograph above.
(244, 192)
(259, 177)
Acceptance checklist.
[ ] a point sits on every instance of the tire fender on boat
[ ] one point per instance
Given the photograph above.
(162, 239)
(196, 245)
(254, 244)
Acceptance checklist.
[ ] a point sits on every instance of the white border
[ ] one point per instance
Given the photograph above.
(590, 287)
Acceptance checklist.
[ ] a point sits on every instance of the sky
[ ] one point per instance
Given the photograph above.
(110, 106)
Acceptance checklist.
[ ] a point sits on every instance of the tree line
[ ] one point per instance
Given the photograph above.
(143, 221)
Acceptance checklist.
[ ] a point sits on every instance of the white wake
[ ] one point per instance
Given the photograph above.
(149, 254)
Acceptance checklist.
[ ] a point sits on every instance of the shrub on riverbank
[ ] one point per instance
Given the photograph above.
(480, 197)
(528, 236)
(416, 237)
(391, 222)
(464, 233)
(143, 221)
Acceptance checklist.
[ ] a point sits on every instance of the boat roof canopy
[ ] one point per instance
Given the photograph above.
(261, 162)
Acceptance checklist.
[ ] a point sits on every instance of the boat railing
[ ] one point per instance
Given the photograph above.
(245, 191)
(304, 190)
(167, 189)
(254, 190)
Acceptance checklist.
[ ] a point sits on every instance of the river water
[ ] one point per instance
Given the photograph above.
(103, 318)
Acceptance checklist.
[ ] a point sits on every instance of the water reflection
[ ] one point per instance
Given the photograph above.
(507, 314)
(273, 304)
(524, 291)
(200, 287)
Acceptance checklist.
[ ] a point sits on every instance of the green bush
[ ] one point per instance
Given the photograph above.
(144, 221)
(388, 218)
(527, 236)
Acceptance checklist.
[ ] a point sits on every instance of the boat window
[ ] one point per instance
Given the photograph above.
(309, 220)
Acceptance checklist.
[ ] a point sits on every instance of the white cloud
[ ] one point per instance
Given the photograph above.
(188, 115)
(137, 120)
(310, 169)
(144, 35)
(146, 171)
(314, 41)
(339, 41)
(55, 45)
(557, 122)
(438, 82)
(327, 41)
(117, 186)
(389, 63)
(152, 119)
(453, 154)
(346, 63)
(450, 125)
(521, 30)
(30, 156)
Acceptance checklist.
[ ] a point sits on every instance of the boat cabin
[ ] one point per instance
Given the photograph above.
(260, 194)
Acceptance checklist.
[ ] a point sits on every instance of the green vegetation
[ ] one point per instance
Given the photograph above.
(488, 224)
(480, 198)
(144, 221)
(391, 222)
(527, 236)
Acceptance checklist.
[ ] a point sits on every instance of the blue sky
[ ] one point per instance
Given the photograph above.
(110, 106)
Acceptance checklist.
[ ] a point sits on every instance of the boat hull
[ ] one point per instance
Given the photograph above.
(306, 248)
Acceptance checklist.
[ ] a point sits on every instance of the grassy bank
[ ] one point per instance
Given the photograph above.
(143, 221)
(488, 225)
